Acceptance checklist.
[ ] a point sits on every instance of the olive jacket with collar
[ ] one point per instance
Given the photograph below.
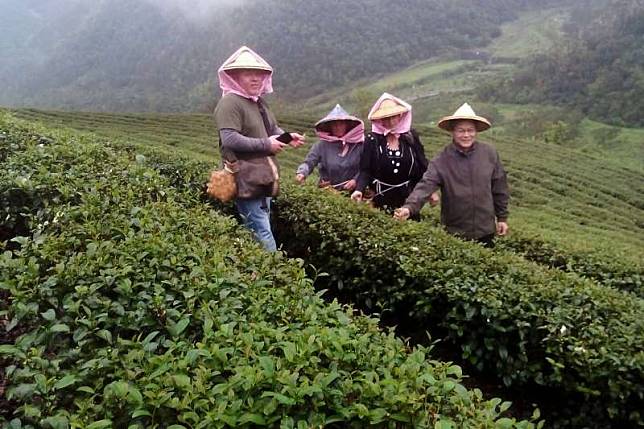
(474, 190)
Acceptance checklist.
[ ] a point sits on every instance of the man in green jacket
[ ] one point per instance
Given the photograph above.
(250, 138)
(473, 183)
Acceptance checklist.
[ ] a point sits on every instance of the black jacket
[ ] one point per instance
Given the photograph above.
(390, 194)
(375, 146)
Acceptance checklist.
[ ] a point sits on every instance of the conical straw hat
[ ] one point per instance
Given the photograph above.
(337, 114)
(246, 58)
(388, 108)
(465, 112)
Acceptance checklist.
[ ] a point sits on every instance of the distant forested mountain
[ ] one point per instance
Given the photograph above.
(131, 55)
(599, 68)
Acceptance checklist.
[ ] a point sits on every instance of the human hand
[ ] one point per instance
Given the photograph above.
(276, 145)
(298, 140)
(350, 185)
(356, 196)
(300, 178)
(402, 213)
(434, 199)
(502, 228)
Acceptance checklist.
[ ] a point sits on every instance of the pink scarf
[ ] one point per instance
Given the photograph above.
(229, 85)
(405, 122)
(354, 135)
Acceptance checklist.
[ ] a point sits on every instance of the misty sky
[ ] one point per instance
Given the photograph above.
(194, 9)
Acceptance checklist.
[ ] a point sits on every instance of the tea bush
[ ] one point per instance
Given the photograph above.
(523, 323)
(606, 268)
(142, 307)
(597, 261)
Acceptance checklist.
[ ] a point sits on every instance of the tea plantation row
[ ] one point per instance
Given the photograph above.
(569, 210)
(528, 325)
(582, 342)
(134, 305)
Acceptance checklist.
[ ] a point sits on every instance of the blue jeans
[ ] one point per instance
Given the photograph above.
(256, 214)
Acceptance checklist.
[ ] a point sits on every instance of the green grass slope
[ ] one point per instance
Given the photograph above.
(534, 32)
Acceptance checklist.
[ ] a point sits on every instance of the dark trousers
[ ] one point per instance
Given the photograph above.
(486, 241)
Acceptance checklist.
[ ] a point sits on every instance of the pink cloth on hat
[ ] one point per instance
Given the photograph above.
(405, 122)
(229, 85)
(354, 135)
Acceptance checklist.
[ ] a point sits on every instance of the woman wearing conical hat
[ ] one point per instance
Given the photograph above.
(393, 159)
(473, 183)
(248, 135)
(337, 153)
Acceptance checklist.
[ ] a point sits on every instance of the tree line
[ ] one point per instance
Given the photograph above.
(598, 68)
(128, 55)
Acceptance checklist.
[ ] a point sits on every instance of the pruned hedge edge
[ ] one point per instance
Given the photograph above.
(606, 268)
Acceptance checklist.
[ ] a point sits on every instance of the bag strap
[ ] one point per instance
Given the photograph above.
(230, 167)
(264, 115)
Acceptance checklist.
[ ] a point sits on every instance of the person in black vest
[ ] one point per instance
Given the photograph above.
(393, 159)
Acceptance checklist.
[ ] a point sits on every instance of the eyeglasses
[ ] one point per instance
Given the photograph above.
(465, 131)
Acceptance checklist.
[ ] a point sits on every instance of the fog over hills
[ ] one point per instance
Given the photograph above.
(162, 55)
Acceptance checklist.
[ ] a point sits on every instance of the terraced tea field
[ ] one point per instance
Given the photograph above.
(125, 301)
(572, 199)
(525, 326)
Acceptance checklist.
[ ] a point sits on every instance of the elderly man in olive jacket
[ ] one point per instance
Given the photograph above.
(473, 183)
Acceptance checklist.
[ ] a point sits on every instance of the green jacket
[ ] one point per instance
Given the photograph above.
(474, 190)
(257, 169)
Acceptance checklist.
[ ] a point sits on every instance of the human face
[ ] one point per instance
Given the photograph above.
(338, 128)
(250, 80)
(464, 133)
(391, 121)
